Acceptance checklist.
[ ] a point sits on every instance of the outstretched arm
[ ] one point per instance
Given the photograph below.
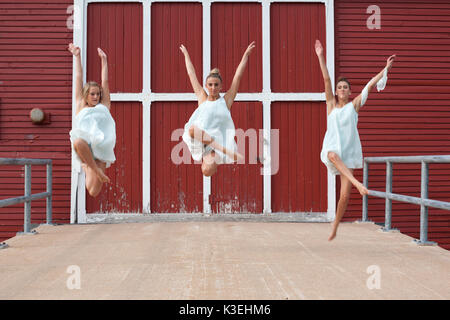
(198, 89)
(360, 99)
(329, 96)
(231, 93)
(106, 97)
(78, 75)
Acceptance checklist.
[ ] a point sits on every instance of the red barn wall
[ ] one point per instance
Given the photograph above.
(35, 72)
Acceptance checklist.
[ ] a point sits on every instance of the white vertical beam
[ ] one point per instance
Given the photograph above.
(329, 7)
(75, 164)
(146, 104)
(81, 217)
(267, 178)
(206, 67)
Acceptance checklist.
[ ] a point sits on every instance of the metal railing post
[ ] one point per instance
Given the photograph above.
(424, 208)
(27, 205)
(365, 208)
(49, 197)
(388, 207)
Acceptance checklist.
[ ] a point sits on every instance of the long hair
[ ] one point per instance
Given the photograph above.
(87, 87)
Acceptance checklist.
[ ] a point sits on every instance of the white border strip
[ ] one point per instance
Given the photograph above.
(329, 12)
(206, 68)
(268, 96)
(146, 111)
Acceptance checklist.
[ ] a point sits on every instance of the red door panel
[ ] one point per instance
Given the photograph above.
(124, 193)
(176, 182)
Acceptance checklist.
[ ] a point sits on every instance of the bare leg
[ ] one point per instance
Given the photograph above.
(346, 188)
(342, 168)
(84, 152)
(209, 164)
(93, 183)
(205, 138)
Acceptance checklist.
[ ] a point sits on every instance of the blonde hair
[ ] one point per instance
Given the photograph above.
(214, 73)
(87, 87)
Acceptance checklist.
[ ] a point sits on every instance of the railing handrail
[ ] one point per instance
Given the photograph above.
(24, 161)
(423, 201)
(409, 159)
(28, 197)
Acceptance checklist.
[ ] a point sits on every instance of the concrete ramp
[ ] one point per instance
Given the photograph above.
(221, 260)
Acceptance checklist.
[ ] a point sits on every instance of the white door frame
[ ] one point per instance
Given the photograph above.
(146, 97)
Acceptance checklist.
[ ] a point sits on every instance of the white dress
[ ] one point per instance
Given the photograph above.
(214, 118)
(96, 126)
(342, 138)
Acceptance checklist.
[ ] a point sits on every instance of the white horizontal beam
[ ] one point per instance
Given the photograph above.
(127, 97)
(287, 96)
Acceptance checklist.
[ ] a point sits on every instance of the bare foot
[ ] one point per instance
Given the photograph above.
(333, 232)
(102, 176)
(233, 155)
(332, 236)
(238, 157)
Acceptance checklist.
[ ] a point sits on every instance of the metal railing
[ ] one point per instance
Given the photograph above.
(28, 197)
(423, 201)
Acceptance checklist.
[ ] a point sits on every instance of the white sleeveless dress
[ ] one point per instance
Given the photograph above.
(96, 126)
(214, 118)
(342, 137)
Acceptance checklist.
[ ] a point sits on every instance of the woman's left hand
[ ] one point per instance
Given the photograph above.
(390, 61)
(250, 47)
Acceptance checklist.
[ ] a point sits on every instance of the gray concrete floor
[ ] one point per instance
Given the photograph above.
(229, 260)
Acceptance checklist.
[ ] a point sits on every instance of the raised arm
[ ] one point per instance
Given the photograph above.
(329, 96)
(106, 97)
(231, 93)
(360, 99)
(78, 75)
(198, 89)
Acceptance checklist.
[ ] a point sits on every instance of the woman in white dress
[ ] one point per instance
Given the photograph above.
(93, 135)
(341, 150)
(209, 133)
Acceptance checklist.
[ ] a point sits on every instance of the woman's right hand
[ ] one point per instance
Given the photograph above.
(74, 50)
(183, 49)
(319, 48)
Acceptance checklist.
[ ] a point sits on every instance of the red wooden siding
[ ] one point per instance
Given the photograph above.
(174, 187)
(238, 188)
(233, 27)
(117, 29)
(411, 116)
(301, 182)
(294, 29)
(174, 24)
(35, 72)
(124, 193)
